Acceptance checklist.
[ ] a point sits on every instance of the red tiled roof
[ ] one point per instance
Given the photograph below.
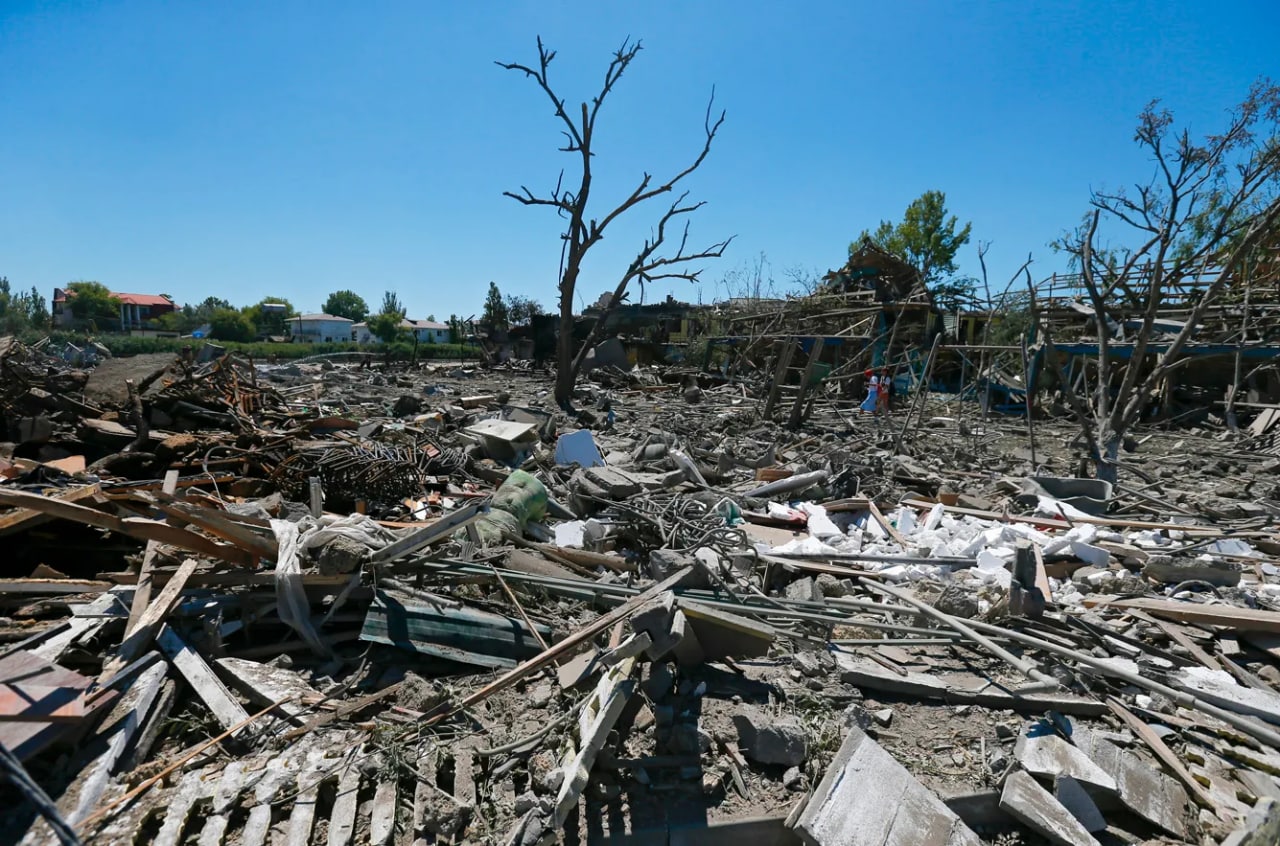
(61, 294)
(143, 299)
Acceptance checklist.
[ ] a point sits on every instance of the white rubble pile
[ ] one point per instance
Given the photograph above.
(989, 542)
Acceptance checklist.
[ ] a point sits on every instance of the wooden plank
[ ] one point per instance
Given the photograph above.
(80, 626)
(887, 526)
(127, 717)
(1177, 636)
(342, 820)
(797, 408)
(382, 819)
(786, 350)
(142, 595)
(224, 802)
(973, 690)
(149, 621)
(1225, 616)
(1054, 523)
(1042, 577)
(24, 518)
(303, 817)
(1162, 751)
(212, 522)
(31, 703)
(229, 712)
(135, 527)
(178, 808)
(51, 587)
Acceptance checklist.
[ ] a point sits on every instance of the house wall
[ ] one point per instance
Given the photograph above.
(321, 331)
(432, 336)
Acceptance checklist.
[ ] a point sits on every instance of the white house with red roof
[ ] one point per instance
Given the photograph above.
(136, 310)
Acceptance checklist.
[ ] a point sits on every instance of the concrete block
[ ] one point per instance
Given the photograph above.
(769, 740)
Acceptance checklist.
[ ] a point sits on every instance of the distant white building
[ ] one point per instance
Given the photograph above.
(425, 331)
(320, 328)
(429, 331)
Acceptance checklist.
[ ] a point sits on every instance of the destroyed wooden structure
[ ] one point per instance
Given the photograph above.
(288, 604)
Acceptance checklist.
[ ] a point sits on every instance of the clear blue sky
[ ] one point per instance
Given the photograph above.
(241, 149)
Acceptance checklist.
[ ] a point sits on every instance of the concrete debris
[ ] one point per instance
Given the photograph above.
(866, 798)
(767, 739)
(428, 603)
(1031, 804)
(1042, 753)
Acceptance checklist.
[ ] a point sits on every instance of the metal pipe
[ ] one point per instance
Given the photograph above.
(1251, 727)
(1025, 667)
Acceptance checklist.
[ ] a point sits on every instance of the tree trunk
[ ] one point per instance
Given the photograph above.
(565, 376)
(1107, 451)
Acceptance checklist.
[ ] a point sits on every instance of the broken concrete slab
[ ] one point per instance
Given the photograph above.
(1214, 571)
(678, 640)
(1221, 689)
(1045, 754)
(956, 689)
(504, 440)
(1035, 807)
(1145, 790)
(866, 798)
(1261, 827)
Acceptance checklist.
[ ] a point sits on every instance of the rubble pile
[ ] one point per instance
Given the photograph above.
(326, 603)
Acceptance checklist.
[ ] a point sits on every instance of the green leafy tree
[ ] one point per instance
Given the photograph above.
(346, 304)
(93, 301)
(386, 324)
(22, 310)
(386, 327)
(928, 240)
(205, 309)
(230, 325)
(495, 309)
(270, 321)
(391, 304)
(455, 329)
(522, 309)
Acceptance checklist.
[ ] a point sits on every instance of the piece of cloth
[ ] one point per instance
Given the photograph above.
(309, 533)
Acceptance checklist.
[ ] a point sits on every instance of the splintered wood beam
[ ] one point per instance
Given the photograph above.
(797, 409)
(149, 622)
(25, 518)
(136, 527)
(142, 593)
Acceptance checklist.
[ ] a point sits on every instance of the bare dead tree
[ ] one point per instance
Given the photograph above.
(1208, 206)
(582, 232)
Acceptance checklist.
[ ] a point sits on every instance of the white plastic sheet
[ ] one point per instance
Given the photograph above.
(309, 533)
